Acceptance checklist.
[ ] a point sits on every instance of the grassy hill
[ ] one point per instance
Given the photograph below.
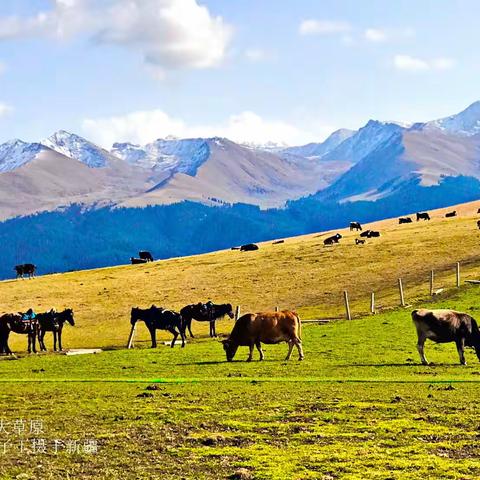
(359, 406)
(300, 274)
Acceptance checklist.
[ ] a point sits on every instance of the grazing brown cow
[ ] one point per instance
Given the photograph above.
(451, 214)
(253, 329)
(444, 326)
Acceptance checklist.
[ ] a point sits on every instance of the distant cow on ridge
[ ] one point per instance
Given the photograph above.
(423, 216)
(333, 239)
(25, 269)
(404, 220)
(370, 234)
(137, 261)
(145, 255)
(444, 326)
(249, 247)
(451, 214)
(355, 226)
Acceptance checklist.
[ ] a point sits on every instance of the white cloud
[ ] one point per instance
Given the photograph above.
(323, 27)
(375, 35)
(145, 126)
(413, 64)
(380, 35)
(4, 109)
(256, 54)
(169, 34)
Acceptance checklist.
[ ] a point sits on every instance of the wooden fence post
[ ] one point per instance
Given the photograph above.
(237, 313)
(131, 336)
(457, 270)
(400, 289)
(431, 282)
(372, 303)
(347, 305)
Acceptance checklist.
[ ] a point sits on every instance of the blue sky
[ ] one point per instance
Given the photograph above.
(253, 70)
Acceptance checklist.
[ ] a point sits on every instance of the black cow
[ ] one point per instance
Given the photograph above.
(359, 242)
(370, 234)
(137, 261)
(157, 318)
(478, 224)
(355, 226)
(331, 240)
(249, 247)
(277, 242)
(451, 214)
(25, 269)
(404, 220)
(443, 326)
(423, 216)
(145, 255)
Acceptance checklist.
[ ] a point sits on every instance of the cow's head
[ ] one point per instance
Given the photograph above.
(230, 349)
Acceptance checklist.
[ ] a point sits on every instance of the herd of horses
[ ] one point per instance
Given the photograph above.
(34, 328)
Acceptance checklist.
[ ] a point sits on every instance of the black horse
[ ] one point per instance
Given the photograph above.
(53, 321)
(156, 318)
(14, 322)
(208, 312)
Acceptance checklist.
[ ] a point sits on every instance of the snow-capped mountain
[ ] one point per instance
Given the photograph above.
(15, 153)
(465, 123)
(78, 148)
(364, 141)
(318, 150)
(169, 154)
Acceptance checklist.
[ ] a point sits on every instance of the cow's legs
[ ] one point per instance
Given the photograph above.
(298, 344)
(174, 332)
(460, 349)
(290, 348)
(54, 341)
(250, 356)
(260, 351)
(420, 348)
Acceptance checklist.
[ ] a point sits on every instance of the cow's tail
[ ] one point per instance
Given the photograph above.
(299, 322)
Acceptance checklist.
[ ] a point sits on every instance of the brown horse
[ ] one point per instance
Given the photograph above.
(14, 322)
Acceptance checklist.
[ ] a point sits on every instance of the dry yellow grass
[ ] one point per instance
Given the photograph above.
(300, 273)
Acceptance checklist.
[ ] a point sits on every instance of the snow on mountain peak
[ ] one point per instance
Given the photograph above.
(169, 154)
(78, 148)
(15, 153)
(465, 123)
